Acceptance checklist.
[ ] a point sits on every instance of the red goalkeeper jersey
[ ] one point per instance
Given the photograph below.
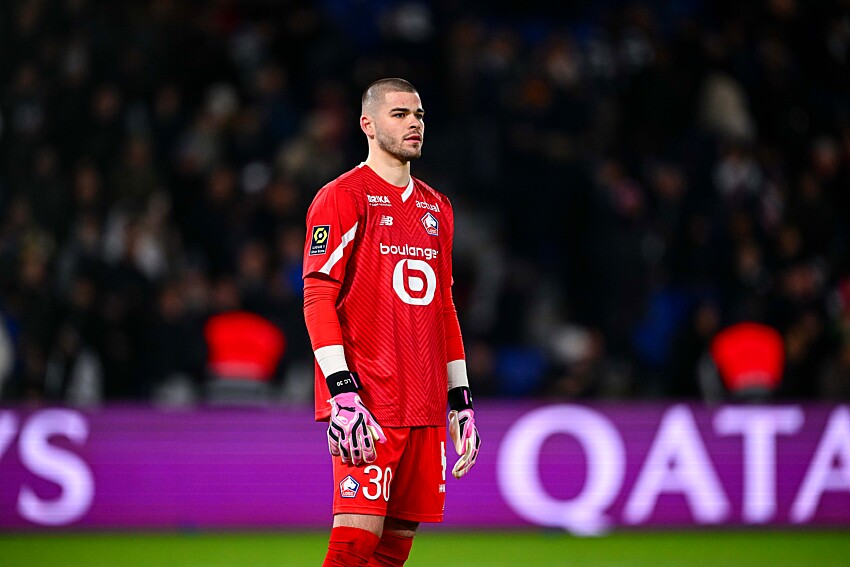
(391, 248)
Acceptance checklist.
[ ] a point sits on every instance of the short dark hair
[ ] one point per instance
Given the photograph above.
(376, 91)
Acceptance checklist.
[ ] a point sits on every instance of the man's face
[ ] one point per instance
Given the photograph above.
(400, 125)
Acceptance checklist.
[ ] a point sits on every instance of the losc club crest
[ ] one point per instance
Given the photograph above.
(348, 487)
(432, 226)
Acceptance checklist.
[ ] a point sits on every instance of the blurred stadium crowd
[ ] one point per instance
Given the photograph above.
(629, 178)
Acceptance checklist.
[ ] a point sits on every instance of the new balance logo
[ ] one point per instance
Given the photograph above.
(386, 221)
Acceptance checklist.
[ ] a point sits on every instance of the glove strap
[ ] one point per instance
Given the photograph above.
(342, 381)
(460, 398)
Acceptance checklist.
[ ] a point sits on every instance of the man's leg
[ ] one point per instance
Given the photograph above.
(354, 538)
(396, 541)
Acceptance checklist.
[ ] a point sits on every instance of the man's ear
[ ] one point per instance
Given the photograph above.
(367, 126)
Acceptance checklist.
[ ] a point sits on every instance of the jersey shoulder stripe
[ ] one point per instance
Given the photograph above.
(336, 255)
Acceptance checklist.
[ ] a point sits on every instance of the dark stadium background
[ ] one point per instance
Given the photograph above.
(629, 179)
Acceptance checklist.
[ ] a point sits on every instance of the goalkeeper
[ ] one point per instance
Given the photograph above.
(384, 329)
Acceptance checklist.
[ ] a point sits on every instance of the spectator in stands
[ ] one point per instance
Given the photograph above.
(695, 152)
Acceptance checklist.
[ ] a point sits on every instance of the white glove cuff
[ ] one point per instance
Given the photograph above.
(331, 359)
(457, 374)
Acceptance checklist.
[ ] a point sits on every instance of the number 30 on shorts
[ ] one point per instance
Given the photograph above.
(382, 481)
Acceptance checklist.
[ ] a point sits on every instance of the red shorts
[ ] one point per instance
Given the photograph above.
(407, 481)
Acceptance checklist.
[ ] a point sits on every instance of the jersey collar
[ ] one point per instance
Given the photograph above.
(408, 191)
(405, 195)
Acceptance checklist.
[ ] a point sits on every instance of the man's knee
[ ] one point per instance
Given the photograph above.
(403, 528)
(374, 524)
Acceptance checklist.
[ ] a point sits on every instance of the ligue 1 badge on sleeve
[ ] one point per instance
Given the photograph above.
(319, 239)
(432, 226)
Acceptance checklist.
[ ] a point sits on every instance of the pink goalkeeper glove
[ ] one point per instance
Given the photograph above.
(353, 430)
(462, 430)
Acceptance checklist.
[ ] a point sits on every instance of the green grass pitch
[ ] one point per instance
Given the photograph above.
(432, 549)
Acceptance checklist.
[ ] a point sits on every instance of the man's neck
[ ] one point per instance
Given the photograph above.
(390, 169)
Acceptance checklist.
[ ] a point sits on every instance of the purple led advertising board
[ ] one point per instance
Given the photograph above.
(583, 468)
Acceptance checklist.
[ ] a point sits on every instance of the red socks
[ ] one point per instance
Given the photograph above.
(353, 547)
(350, 547)
(392, 551)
